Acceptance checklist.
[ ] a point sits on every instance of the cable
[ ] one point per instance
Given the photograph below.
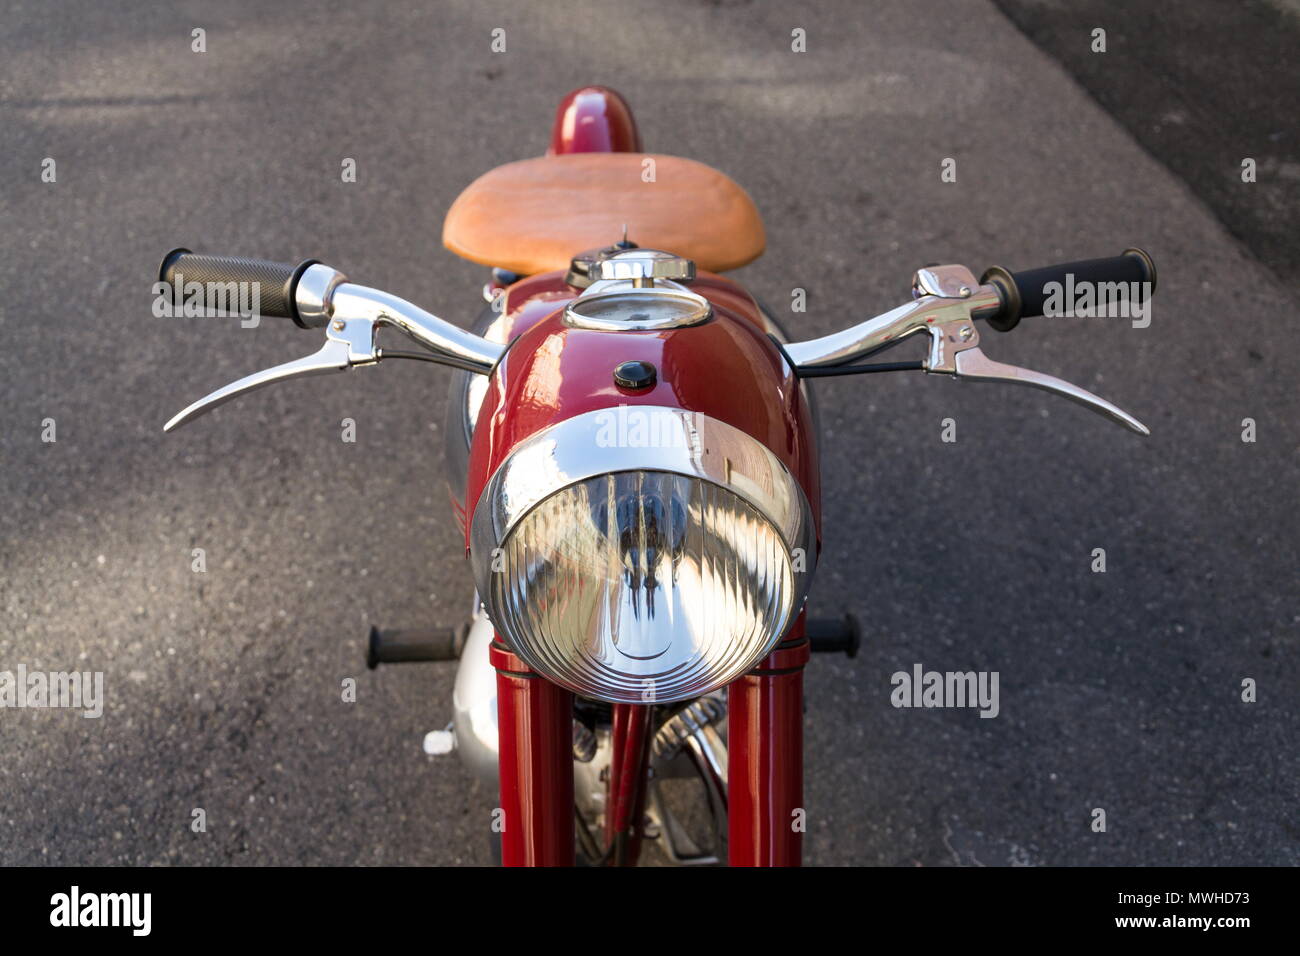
(861, 369)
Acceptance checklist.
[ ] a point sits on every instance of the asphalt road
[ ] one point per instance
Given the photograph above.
(1206, 87)
(1119, 691)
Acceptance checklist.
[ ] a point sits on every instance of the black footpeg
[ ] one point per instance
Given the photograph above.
(406, 646)
(828, 635)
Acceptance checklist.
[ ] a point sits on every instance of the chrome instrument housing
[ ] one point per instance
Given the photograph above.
(633, 309)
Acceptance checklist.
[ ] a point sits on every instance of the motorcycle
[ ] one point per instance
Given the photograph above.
(633, 461)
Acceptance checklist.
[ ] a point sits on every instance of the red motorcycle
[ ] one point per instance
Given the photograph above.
(633, 459)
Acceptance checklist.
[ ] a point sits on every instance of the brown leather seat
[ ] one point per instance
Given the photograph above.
(535, 215)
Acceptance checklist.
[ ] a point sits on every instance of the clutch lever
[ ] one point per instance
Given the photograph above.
(347, 343)
(955, 351)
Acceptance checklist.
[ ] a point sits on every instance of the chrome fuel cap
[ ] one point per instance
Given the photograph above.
(639, 266)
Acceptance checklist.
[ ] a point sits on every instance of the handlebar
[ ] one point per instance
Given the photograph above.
(276, 283)
(946, 301)
(1023, 294)
(316, 296)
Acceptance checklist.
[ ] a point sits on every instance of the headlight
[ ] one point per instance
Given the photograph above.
(651, 583)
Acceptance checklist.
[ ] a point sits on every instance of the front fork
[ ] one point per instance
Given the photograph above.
(764, 764)
(765, 813)
(535, 753)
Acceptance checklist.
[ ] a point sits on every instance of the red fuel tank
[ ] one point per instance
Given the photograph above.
(727, 368)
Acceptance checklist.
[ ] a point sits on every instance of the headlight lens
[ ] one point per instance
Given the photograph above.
(643, 586)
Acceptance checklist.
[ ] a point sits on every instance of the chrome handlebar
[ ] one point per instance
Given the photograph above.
(941, 294)
(947, 301)
(351, 314)
(326, 297)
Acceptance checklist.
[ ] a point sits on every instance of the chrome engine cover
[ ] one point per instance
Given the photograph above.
(474, 703)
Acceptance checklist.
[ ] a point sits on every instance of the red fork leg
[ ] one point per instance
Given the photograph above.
(535, 741)
(765, 758)
(629, 761)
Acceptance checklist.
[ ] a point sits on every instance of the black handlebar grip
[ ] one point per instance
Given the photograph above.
(276, 282)
(1023, 293)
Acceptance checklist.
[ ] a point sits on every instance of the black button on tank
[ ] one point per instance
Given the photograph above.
(637, 375)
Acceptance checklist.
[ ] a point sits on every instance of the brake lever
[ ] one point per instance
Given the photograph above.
(955, 351)
(347, 343)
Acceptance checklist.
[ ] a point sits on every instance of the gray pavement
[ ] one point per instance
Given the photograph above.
(1204, 87)
(1119, 690)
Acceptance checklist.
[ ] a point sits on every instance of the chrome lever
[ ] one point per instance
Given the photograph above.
(955, 351)
(350, 315)
(347, 343)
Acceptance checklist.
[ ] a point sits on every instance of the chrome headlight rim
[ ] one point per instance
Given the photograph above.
(690, 445)
(684, 443)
